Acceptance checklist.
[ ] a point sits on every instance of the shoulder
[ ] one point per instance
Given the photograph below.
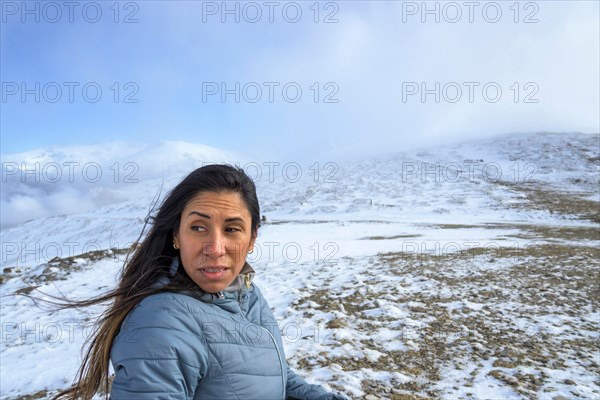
(257, 296)
(173, 311)
(259, 309)
(159, 329)
(171, 300)
(156, 320)
(255, 291)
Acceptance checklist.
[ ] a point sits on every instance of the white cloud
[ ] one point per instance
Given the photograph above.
(370, 54)
(74, 179)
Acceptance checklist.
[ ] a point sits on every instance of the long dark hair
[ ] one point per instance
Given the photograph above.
(148, 262)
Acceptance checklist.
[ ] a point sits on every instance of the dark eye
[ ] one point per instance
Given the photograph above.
(233, 229)
(198, 228)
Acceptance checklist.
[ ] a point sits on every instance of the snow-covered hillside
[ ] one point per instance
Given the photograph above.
(467, 271)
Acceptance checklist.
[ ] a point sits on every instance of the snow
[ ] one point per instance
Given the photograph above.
(376, 274)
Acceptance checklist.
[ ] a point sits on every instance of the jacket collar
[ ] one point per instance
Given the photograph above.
(229, 298)
(243, 280)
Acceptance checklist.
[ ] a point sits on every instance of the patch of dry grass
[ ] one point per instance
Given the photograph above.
(555, 202)
(541, 282)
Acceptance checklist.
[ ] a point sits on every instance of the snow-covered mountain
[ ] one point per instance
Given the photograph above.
(338, 226)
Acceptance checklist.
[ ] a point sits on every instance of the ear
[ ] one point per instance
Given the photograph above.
(252, 240)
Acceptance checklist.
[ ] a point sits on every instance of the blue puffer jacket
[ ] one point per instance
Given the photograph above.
(205, 346)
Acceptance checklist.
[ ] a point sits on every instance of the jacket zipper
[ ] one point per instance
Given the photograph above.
(283, 384)
(280, 363)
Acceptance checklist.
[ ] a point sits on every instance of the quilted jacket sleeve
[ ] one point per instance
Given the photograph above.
(298, 388)
(159, 352)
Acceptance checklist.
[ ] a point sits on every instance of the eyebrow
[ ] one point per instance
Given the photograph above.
(232, 219)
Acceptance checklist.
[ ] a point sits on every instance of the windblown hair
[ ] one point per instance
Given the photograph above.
(148, 262)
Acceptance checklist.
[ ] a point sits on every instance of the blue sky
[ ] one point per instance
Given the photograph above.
(368, 59)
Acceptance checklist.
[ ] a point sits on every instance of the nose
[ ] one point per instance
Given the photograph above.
(215, 246)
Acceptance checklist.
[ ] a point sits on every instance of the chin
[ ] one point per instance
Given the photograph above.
(213, 287)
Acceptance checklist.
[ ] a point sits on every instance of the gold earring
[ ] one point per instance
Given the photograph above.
(251, 251)
(175, 245)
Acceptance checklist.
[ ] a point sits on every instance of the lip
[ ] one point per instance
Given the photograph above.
(213, 272)
(213, 267)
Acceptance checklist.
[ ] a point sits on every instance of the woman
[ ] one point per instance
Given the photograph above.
(187, 322)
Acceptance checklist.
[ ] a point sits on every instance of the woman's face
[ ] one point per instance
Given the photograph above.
(214, 238)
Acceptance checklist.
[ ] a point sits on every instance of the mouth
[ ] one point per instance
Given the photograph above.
(215, 272)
